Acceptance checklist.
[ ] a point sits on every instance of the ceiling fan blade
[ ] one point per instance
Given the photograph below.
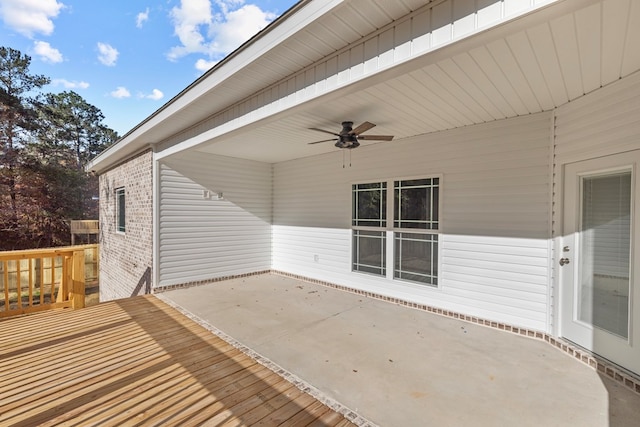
(362, 128)
(325, 131)
(324, 140)
(375, 137)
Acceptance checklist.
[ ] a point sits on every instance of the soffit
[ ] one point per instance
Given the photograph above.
(296, 43)
(340, 27)
(515, 69)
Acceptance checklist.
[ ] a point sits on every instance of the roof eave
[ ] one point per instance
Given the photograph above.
(133, 141)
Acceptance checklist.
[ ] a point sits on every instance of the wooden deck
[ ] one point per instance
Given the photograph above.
(139, 362)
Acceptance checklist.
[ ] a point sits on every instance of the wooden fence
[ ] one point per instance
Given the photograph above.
(86, 228)
(42, 279)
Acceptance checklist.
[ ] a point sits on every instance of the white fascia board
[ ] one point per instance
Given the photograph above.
(297, 18)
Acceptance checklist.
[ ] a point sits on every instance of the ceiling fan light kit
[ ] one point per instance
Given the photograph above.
(348, 136)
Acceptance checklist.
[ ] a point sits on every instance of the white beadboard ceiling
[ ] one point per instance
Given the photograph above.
(518, 71)
(536, 61)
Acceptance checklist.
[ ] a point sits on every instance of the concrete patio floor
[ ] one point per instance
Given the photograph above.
(397, 366)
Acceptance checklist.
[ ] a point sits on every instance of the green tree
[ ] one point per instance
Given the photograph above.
(46, 140)
(17, 112)
(72, 133)
(73, 123)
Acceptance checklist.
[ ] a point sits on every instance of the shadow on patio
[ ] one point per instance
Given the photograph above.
(138, 362)
(398, 366)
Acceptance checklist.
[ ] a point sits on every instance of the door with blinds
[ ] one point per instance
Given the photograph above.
(598, 261)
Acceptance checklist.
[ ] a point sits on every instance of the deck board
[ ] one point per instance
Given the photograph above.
(139, 362)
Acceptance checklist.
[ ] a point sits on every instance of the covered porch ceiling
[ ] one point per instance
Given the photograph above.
(540, 55)
(531, 64)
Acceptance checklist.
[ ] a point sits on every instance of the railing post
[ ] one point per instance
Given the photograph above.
(77, 280)
(66, 280)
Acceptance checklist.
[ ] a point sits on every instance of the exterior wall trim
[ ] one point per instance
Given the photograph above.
(553, 314)
(162, 289)
(155, 225)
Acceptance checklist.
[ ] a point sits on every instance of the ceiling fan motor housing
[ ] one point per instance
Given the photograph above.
(347, 127)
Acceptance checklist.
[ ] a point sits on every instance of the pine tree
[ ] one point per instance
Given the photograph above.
(17, 113)
(46, 141)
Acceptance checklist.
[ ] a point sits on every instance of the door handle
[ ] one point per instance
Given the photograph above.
(564, 261)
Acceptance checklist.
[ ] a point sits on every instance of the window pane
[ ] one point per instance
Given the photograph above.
(605, 248)
(369, 252)
(416, 204)
(120, 210)
(435, 203)
(416, 257)
(370, 205)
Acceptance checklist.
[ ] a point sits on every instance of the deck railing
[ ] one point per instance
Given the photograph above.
(42, 279)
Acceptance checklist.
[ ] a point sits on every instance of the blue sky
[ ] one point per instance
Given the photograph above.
(129, 57)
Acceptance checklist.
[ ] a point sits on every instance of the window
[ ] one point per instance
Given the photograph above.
(120, 210)
(416, 208)
(370, 250)
(369, 219)
(416, 203)
(415, 227)
(370, 204)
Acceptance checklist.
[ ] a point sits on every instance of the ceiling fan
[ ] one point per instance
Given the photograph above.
(348, 136)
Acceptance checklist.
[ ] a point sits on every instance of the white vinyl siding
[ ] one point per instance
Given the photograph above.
(494, 241)
(599, 124)
(203, 237)
(602, 123)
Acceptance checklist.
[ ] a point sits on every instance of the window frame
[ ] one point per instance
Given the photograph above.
(356, 227)
(431, 231)
(120, 205)
(392, 232)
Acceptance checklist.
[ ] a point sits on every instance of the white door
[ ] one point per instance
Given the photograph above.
(600, 298)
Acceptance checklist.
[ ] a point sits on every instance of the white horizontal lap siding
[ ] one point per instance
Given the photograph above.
(297, 247)
(202, 238)
(601, 123)
(506, 275)
(495, 216)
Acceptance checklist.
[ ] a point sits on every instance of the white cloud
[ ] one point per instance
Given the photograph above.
(203, 65)
(188, 20)
(121, 92)
(107, 54)
(46, 52)
(142, 17)
(238, 26)
(201, 31)
(29, 17)
(70, 84)
(155, 94)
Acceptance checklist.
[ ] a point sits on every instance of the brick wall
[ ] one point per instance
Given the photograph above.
(126, 258)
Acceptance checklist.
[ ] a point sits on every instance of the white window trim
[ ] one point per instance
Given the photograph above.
(379, 229)
(117, 210)
(391, 230)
